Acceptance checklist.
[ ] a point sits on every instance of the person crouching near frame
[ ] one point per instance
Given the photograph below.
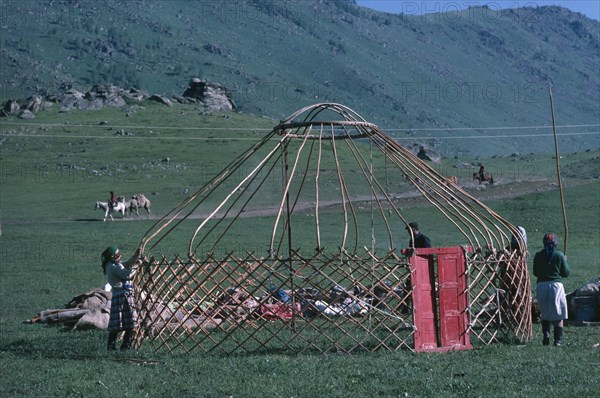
(550, 267)
(123, 316)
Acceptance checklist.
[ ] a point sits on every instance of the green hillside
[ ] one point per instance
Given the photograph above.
(478, 69)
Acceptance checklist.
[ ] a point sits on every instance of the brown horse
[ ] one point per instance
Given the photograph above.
(487, 177)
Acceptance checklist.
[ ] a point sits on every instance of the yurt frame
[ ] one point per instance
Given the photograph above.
(345, 294)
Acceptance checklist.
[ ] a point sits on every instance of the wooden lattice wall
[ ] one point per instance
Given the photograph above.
(351, 290)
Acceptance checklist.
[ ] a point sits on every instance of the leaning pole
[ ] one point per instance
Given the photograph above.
(560, 186)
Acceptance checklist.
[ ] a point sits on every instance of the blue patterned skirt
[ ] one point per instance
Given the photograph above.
(123, 315)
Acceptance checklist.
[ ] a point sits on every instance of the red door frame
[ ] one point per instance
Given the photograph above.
(440, 314)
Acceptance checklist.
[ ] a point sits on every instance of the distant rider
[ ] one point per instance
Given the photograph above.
(113, 200)
(481, 172)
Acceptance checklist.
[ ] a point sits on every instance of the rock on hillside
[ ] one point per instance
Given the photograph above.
(425, 152)
(210, 96)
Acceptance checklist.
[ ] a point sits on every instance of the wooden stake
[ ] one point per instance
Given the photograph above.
(560, 186)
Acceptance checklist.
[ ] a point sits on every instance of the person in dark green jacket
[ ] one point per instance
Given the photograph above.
(550, 267)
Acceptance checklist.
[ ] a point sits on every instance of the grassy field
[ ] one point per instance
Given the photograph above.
(54, 169)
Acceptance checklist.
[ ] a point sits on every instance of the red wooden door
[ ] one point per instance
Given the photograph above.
(424, 302)
(452, 282)
(440, 311)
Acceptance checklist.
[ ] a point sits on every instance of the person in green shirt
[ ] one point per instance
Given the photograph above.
(550, 267)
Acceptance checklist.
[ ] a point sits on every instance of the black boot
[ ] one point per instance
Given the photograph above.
(112, 338)
(546, 332)
(558, 333)
(126, 345)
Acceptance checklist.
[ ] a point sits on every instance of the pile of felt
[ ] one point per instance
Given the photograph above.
(90, 310)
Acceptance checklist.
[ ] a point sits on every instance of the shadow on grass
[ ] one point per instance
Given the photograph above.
(25, 349)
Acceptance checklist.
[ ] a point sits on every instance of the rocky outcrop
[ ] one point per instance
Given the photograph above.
(35, 104)
(99, 96)
(26, 114)
(11, 107)
(424, 152)
(161, 99)
(210, 96)
(109, 95)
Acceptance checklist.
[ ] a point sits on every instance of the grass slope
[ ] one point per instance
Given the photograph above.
(477, 69)
(52, 172)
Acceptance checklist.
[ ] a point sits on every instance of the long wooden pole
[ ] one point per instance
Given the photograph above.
(560, 185)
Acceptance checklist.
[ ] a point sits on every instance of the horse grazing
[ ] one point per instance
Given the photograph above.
(138, 201)
(119, 208)
(487, 177)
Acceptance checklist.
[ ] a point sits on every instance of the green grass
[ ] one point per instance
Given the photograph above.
(51, 362)
(52, 238)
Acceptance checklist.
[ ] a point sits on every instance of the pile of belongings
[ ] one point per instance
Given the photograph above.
(90, 310)
(356, 302)
(277, 303)
(178, 314)
(281, 308)
(236, 302)
(339, 303)
(584, 302)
